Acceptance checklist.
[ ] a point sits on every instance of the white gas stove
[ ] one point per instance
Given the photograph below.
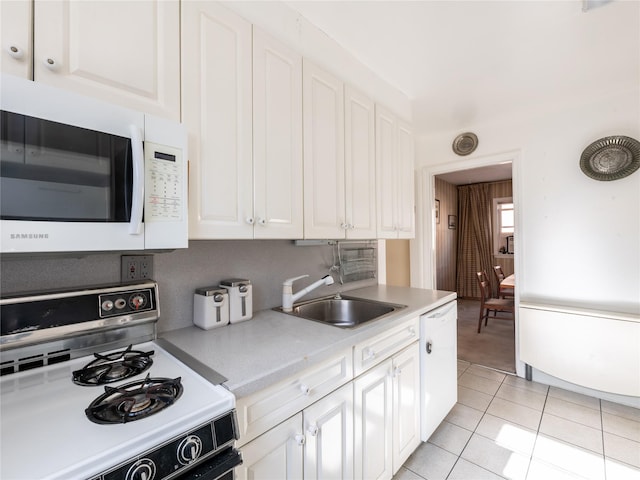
(162, 420)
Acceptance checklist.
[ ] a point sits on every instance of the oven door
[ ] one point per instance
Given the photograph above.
(218, 467)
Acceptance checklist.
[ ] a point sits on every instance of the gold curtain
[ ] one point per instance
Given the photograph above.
(474, 238)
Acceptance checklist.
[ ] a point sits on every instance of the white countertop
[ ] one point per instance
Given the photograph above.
(273, 346)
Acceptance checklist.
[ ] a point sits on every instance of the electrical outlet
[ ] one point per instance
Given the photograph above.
(136, 267)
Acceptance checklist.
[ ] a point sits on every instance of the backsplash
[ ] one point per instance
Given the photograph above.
(266, 263)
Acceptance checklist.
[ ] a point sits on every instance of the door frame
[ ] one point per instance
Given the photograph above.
(423, 247)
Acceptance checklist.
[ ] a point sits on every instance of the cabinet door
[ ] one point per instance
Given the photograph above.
(360, 165)
(277, 454)
(406, 404)
(123, 52)
(386, 172)
(323, 124)
(216, 93)
(277, 139)
(373, 423)
(328, 426)
(16, 34)
(405, 212)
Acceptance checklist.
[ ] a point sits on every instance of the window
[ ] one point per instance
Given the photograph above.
(503, 223)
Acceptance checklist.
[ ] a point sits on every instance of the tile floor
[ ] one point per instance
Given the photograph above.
(506, 427)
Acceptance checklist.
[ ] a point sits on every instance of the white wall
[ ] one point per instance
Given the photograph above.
(579, 239)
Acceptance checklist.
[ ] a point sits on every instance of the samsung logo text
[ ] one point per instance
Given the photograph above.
(29, 236)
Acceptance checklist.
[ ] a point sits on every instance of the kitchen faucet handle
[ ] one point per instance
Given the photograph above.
(289, 281)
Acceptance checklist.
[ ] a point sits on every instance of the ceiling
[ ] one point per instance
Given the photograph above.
(462, 63)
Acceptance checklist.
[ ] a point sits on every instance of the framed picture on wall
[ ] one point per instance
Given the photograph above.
(437, 211)
(453, 222)
(510, 245)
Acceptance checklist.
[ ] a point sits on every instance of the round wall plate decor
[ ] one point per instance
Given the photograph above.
(611, 158)
(465, 143)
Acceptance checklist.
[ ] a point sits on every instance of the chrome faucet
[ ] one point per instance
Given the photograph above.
(288, 297)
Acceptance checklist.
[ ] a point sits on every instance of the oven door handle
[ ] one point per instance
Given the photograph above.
(214, 467)
(137, 196)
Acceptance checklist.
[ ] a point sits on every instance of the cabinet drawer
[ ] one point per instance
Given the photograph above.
(376, 349)
(263, 410)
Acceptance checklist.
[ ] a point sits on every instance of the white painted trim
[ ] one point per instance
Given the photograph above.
(423, 248)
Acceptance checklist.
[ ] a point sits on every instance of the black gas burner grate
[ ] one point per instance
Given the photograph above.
(135, 400)
(113, 367)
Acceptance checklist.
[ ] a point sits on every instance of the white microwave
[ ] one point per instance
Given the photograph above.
(78, 174)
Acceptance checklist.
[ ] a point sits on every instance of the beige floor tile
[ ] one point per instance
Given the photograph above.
(507, 434)
(451, 437)
(526, 385)
(571, 458)
(431, 462)
(465, 417)
(622, 449)
(522, 397)
(465, 470)
(487, 454)
(623, 427)
(473, 398)
(572, 432)
(573, 411)
(621, 410)
(481, 384)
(486, 373)
(574, 397)
(525, 416)
(620, 471)
(541, 471)
(404, 474)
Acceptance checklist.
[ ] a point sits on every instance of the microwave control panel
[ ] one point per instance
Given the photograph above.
(163, 183)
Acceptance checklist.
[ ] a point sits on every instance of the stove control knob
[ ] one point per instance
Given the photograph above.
(143, 469)
(137, 301)
(120, 303)
(189, 449)
(107, 305)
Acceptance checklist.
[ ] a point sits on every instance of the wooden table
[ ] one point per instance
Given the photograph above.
(507, 286)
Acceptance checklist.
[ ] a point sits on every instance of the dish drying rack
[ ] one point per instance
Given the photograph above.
(354, 261)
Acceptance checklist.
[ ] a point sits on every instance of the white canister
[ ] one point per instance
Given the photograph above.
(210, 307)
(240, 299)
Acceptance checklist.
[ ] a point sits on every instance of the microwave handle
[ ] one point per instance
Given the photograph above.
(137, 196)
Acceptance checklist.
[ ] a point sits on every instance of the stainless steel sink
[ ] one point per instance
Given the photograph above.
(345, 312)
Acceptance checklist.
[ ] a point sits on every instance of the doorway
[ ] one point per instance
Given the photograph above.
(495, 346)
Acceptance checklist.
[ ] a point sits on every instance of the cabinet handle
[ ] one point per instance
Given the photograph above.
(50, 63)
(412, 331)
(262, 222)
(305, 389)
(313, 430)
(429, 347)
(397, 372)
(250, 220)
(369, 353)
(344, 226)
(299, 439)
(15, 52)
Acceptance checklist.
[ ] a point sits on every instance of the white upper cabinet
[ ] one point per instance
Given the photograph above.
(324, 186)
(16, 35)
(122, 52)
(339, 158)
(360, 164)
(217, 110)
(277, 139)
(394, 164)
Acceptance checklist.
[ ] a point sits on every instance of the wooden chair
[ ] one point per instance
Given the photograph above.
(489, 304)
(503, 292)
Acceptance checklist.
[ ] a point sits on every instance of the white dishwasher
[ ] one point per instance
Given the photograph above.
(438, 366)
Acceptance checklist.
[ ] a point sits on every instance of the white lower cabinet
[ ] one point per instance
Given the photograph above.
(373, 423)
(277, 454)
(316, 443)
(387, 415)
(324, 423)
